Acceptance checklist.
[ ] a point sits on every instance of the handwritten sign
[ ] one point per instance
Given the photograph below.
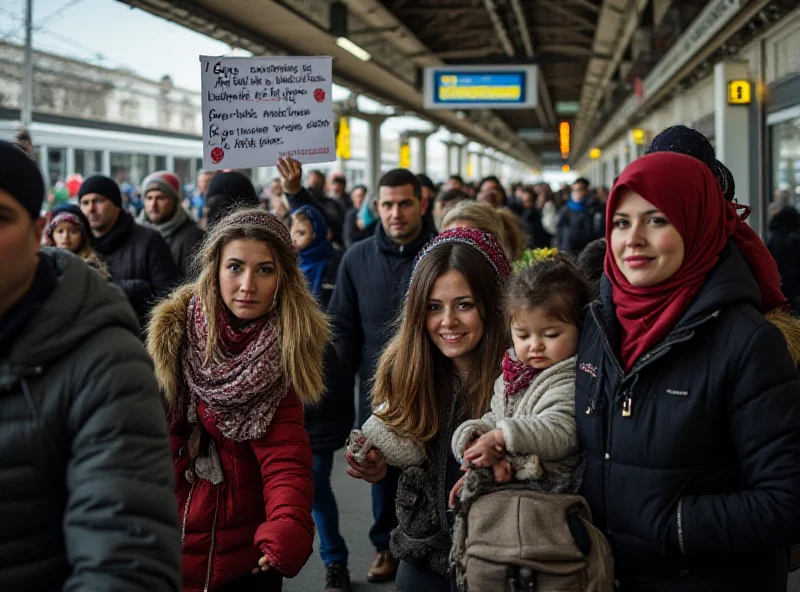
(256, 110)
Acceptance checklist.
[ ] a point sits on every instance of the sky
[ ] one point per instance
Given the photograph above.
(112, 34)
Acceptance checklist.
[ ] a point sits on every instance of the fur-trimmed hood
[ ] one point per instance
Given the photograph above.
(166, 336)
(165, 341)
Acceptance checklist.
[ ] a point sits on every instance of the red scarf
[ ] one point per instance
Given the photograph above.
(685, 190)
(516, 375)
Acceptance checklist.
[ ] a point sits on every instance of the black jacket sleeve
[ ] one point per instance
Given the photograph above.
(121, 524)
(346, 320)
(764, 422)
(164, 272)
(304, 198)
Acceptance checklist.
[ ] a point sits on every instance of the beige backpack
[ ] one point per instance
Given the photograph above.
(525, 541)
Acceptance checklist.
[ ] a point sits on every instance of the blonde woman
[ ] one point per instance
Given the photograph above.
(237, 354)
(504, 224)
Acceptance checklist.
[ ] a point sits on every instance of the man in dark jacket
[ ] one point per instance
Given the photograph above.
(139, 260)
(370, 291)
(581, 220)
(163, 212)
(87, 497)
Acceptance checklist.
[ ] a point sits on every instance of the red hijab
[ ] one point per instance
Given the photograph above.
(691, 198)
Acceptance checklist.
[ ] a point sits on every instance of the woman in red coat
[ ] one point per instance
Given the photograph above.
(237, 355)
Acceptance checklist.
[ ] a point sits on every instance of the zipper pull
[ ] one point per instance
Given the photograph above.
(592, 406)
(627, 406)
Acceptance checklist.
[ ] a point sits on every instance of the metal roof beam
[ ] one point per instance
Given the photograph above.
(576, 18)
(585, 4)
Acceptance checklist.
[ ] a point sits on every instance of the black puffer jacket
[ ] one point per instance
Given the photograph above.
(86, 484)
(352, 233)
(183, 245)
(699, 487)
(784, 244)
(370, 291)
(140, 263)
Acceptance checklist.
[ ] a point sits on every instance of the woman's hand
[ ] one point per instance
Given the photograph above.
(374, 467)
(456, 491)
(291, 172)
(486, 450)
(263, 565)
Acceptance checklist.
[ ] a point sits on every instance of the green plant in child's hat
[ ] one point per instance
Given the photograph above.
(532, 257)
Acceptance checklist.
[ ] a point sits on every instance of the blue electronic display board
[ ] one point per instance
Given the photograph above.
(480, 87)
(455, 88)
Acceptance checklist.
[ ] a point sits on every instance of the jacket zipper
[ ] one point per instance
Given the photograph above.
(213, 541)
(186, 511)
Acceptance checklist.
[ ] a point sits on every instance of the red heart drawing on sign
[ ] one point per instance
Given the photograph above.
(319, 95)
(217, 154)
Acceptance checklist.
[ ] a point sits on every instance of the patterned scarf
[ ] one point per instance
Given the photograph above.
(243, 385)
(517, 376)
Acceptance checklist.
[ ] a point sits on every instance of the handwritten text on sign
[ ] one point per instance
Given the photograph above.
(256, 110)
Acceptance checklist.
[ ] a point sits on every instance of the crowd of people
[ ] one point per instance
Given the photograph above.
(586, 390)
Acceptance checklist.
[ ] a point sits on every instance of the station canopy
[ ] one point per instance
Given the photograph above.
(587, 56)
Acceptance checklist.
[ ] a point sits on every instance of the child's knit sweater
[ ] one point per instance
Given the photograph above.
(538, 422)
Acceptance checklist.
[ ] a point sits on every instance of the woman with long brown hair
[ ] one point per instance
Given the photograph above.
(237, 354)
(437, 371)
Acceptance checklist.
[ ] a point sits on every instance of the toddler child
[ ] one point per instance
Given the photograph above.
(69, 229)
(531, 430)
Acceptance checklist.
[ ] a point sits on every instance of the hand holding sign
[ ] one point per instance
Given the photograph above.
(291, 173)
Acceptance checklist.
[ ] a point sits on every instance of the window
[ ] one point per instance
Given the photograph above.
(139, 170)
(121, 167)
(88, 162)
(56, 165)
(785, 182)
(161, 163)
(183, 168)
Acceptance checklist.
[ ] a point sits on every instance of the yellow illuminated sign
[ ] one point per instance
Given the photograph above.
(563, 135)
(479, 93)
(565, 168)
(739, 92)
(469, 168)
(343, 139)
(638, 136)
(595, 153)
(405, 156)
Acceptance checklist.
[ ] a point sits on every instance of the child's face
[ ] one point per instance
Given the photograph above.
(302, 234)
(67, 236)
(540, 340)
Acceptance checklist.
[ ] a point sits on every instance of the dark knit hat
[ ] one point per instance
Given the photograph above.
(20, 176)
(684, 140)
(228, 192)
(103, 185)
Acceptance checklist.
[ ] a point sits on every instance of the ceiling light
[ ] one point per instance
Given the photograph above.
(361, 54)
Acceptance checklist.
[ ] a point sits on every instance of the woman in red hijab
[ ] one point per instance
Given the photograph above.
(690, 421)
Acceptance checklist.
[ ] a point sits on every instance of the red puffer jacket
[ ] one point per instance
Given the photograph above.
(263, 506)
